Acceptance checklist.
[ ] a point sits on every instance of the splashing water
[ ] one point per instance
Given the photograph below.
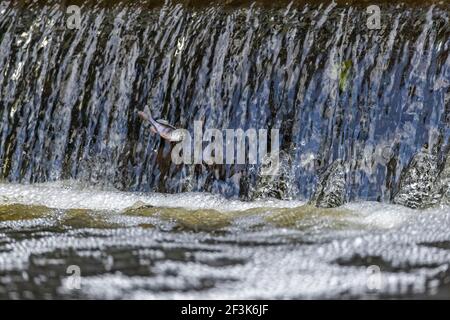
(199, 246)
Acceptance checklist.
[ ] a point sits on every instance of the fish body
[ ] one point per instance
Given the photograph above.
(161, 127)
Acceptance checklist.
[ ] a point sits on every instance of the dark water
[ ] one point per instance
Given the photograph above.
(334, 89)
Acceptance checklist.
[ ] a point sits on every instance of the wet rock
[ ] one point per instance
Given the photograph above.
(187, 220)
(305, 217)
(330, 191)
(139, 205)
(274, 183)
(83, 218)
(12, 212)
(419, 187)
(444, 178)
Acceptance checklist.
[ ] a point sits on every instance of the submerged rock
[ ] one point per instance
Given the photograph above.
(419, 187)
(139, 205)
(11, 212)
(84, 218)
(331, 188)
(305, 217)
(185, 220)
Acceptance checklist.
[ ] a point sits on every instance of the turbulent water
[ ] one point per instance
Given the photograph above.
(196, 245)
(85, 184)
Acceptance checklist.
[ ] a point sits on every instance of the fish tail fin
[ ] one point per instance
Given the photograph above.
(148, 112)
(150, 116)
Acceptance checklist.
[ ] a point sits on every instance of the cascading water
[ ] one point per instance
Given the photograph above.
(364, 127)
(335, 89)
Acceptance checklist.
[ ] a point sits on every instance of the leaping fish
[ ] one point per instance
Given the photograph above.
(161, 127)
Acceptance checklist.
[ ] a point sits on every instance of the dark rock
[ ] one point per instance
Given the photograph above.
(444, 179)
(277, 184)
(331, 188)
(419, 187)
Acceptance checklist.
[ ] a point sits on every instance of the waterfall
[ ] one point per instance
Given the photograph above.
(334, 88)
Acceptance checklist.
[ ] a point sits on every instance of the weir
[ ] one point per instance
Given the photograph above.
(335, 89)
(92, 205)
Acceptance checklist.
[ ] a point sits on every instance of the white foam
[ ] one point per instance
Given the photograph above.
(379, 215)
(66, 195)
(327, 266)
(386, 215)
(70, 195)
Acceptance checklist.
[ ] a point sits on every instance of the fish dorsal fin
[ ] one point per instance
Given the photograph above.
(166, 123)
(162, 121)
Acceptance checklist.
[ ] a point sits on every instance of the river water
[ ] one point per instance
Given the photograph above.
(85, 186)
(197, 245)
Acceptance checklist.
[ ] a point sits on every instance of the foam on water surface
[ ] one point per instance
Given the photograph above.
(199, 246)
(69, 195)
